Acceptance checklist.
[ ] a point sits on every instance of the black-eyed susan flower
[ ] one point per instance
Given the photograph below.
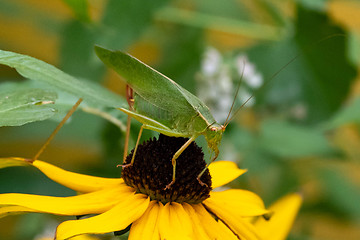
(187, 210)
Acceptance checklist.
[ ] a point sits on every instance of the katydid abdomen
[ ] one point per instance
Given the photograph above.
(188, 125)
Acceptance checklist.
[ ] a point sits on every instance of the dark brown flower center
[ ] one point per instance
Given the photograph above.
(152, 171)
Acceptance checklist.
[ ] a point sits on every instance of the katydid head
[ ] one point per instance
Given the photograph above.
(213, 136)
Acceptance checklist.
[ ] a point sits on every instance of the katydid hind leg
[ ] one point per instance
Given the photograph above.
(130, 100)
(127, 136)
(175, 156)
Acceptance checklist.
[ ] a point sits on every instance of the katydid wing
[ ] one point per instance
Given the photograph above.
(162, 105)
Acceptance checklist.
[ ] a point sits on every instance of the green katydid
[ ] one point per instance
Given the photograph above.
(162, 105)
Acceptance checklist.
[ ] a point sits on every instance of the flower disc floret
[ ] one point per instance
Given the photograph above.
(152, 171)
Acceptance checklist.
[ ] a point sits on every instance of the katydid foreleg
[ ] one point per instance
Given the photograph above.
(175, 156)
(207, 166)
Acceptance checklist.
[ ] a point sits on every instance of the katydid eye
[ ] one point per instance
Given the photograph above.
(213, 129)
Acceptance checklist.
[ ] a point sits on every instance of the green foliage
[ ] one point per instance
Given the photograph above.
(321, 74)
(122, 23)
(182, 56)
(342, 194)
(34, 69)
(80, 8)
(18, 107)
(319, 5)
(348, 114)
(291, 141)
(354, 49)
(329, 65)
(127, 20)
(77, 51)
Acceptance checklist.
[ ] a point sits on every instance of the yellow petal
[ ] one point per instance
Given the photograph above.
(284, 212)
(13, 162)
(174, 223)
(198, 230)
(226, 230)
(237, 224)
(116, 219)
(10, 210)
(80, 237)
(78, 182)
(223, 172)
(214, 229)
(146, 227)
(240, 202)
(95, 202)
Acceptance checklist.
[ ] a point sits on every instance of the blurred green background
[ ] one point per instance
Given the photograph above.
(299, 133)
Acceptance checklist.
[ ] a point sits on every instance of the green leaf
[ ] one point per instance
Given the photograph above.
(77, 51)
(182, 56)
(23, 106)
(341, 192)
(287, 140)
(319, 5)
(354, 48)
(330, 72)
(349, 114)
(80, 9)
(13, 162)
(318, 80)
(34, 69)
(125, 21)
(65, 101)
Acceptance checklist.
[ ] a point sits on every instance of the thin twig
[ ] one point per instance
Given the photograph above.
(106, 116)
